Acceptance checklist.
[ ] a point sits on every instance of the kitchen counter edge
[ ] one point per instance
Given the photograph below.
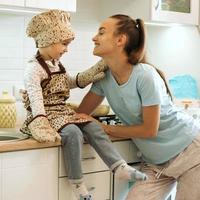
(30, 143)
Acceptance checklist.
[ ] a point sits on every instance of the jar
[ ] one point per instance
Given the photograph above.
(8, 113)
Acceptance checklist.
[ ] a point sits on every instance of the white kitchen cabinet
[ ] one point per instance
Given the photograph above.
(30, 174)
(12, 3)
(40, 174)
(154, 10)
(97, 175)
(69, 5)
(98, 185)
(35, 6)
(180, 11)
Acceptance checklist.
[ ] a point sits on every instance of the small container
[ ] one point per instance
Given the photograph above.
(8, 113)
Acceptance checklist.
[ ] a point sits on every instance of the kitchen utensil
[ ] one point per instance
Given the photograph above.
(7, 111)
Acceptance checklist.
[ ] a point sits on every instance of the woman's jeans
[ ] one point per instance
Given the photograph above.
(73, 136)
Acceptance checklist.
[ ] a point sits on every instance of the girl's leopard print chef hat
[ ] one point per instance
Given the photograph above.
(50, 27)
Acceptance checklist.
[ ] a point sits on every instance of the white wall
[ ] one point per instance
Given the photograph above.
(11, 50)
(175, 50)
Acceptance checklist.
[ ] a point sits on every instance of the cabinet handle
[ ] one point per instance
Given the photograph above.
(157, 4)
(91, 189)
(89, 158)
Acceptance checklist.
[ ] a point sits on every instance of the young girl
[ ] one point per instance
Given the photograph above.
(168, 140)
(48, 86)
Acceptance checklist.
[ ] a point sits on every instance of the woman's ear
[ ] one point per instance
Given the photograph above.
(122, 40)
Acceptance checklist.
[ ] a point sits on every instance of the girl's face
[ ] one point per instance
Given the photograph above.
(105, 40)
(55, 51)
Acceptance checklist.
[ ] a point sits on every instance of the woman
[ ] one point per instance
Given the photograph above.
(168, 140)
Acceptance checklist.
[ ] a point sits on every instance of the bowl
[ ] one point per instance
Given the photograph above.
(9, 136)
(101, 110)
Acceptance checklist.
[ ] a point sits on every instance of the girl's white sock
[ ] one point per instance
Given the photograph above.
(127, 172)
(80, 189)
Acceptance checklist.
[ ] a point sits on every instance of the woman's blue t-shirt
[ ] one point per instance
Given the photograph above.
(145, 87)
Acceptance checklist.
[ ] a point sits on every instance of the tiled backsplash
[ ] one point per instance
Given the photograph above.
(16, 49)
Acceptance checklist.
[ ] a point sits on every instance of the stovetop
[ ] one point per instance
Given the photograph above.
(109, 119)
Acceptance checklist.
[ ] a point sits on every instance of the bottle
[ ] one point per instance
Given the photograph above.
(8, 113)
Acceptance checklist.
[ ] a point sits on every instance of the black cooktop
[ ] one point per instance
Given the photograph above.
(109, 119)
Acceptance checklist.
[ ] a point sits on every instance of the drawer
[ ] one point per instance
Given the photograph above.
(91, 162)
(128, 150)
(97, 183)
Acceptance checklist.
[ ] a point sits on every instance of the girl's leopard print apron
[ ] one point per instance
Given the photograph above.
(56, 91)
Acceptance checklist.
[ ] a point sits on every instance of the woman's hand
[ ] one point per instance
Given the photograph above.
(105, 128)
(92, 119)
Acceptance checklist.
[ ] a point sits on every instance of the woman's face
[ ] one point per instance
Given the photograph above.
(105, 40)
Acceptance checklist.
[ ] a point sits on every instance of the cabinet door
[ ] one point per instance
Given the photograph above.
(98, 185)
(30, 175)
(12, 3)
(69, 5)
(179, 11)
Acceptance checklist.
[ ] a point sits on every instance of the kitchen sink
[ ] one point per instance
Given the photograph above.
(11, 136)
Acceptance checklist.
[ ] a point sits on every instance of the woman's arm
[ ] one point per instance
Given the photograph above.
(89, 103)
(148, 129)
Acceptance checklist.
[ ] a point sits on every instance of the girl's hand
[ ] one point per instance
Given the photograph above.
(83, 116)
(87, 117)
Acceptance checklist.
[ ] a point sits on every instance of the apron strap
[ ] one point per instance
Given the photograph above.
(43, 63)
(62, 69)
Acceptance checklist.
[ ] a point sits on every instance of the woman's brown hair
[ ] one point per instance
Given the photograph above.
(135, 47)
